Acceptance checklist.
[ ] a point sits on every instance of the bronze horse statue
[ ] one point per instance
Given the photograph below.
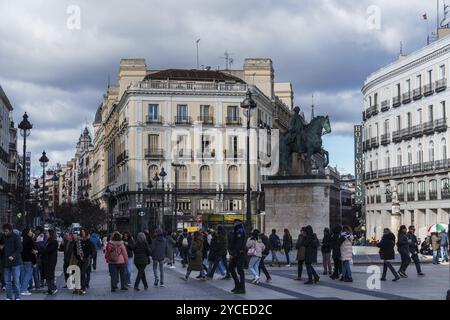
(308, 142)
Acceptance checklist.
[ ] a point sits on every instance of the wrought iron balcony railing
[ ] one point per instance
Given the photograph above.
(406, 97)
(417, 94)
(417, 131)
(385, 139)
(440, 125)
(183, 120)
(154, 153)
(385, 105)
(428, 127)
(441, 85)
(206, 119)
(428, 89)
(153, 119)
(396, 101)
(236, 121)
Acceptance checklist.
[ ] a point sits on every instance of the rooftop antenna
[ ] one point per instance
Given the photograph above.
(312, 106)
(401, 48)
(227, 59)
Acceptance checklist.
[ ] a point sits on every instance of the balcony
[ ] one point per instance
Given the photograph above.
(369, 113)
(445, 195)
(428, 166)
(406, 169)
(153, 119)
(378, 199)
(234, 154)
(385, 139)
(374, 142)
(396, 136)
(441, 85)
(428, 127)
(406, 133)
(396, 102)
(433, 195)
(440, 125)
(417, 131)
(406, 97)
(401, 197)
(364, 115)
(206, 120)
(397, 171)
(158, 85)
(384, 173)
(442, 164)
(367, 176)
(233, 121)
(410, 197)
(12, 146)
(385, 105)
(206, 154)
(422, 196)
(183, 154)
(374, 110)
(417, 167)
(417, 94)
(368, 144)
(428, 89)
(122, 157)
(153, 153)
(233, 187)
(183, 120)
(202, 186)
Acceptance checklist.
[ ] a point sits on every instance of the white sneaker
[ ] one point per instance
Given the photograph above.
(26, 293)
(172, 267)
(256, 281)
(288, 265)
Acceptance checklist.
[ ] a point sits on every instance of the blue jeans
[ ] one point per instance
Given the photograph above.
(37, 277)
(435, 257)
(253, 265)
(130, 269)
(11, 277)
(26, 275)
(346, 271)
(444, 252)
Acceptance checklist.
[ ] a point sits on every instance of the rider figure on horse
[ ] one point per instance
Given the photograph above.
(296, 127)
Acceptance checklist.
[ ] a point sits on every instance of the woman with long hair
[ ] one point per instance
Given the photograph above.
(141, 260)
(311, 244)
(195, 257)
(326, 251)
(287, 245)
(128, 241)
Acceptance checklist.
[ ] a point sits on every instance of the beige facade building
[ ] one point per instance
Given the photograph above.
(152, 120)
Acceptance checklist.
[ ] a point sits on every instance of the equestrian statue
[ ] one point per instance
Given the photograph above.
(304, 139)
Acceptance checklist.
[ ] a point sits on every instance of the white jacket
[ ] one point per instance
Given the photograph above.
(258, 245)
(346, 249)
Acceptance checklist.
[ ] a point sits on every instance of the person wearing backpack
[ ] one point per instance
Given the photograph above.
(183, 244)
(275, 244)
(311, 244)
(117, 258)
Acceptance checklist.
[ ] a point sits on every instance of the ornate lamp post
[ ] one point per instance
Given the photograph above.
(25, 127)
(248, 104)
(54, 180)
(44, 162)
(163, 174)
(156, 180)
(175, 217)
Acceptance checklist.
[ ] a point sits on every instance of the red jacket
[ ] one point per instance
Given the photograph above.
(123, 256)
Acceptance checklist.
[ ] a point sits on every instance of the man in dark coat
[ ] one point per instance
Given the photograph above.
(414, 249)
(237, 249)
(311, 244)
(265, 253)
(336, 251)
(275, 246)
(218, 252)
(66, 247)
(12, 262)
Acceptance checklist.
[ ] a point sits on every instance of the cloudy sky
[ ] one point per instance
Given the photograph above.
(323, 47)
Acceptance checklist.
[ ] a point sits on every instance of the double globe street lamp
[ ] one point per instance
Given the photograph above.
(44, 162)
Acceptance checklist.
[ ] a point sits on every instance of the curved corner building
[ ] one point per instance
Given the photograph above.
(406, 141)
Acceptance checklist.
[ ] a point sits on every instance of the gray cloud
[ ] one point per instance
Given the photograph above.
(59, 75)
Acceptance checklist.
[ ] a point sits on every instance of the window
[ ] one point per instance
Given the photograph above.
(400, 189)
(182, 175)
(232, 147)
(232, 113)
(430, 76)
(376, 130)
(444, 148)
(444, 114)
(376, 162)
(375, 99)
(370, 101)
(410, 188)
(442, 71)
(445, 184)
(418, 81)
(153, 142)
(182, 112)
(153, 112)
(387, 161)
(206, 143)
(399, 123)
(419, 116)
(386, 126)
(182, 142)
(433, 186)
(409, 155)
(111, 162)
(408, 120)
(430, 113)
(370, 131)
(233, 177)
(431, 151)
(408, 86)
(398, 89)
(205, 175)
(419, 154)
(399, 157)
(421, 187)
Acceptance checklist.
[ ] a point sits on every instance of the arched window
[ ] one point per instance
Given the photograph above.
(409, 155)
(182, 175)
(431, 151)
(205, 175)
(444, 149)
(387, 161)
(151, 172)
(399, 157)
(233, 177)
(376, 162)
(419, 154)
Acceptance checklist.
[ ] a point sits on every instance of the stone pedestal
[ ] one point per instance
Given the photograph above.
(294, 203)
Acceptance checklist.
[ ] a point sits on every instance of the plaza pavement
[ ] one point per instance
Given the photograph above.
(433, 286)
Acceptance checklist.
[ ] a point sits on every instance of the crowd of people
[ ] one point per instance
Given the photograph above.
(28, 261)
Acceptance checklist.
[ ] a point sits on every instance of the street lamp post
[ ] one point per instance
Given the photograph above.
(248, 104)
(25, 127)
(44, 162)
(155, 179)
(175, 218)
(163, 174)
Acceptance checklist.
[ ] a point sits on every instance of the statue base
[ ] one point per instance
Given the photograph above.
(294, 202)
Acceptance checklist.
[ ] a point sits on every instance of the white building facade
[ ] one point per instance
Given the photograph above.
(406, 141)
